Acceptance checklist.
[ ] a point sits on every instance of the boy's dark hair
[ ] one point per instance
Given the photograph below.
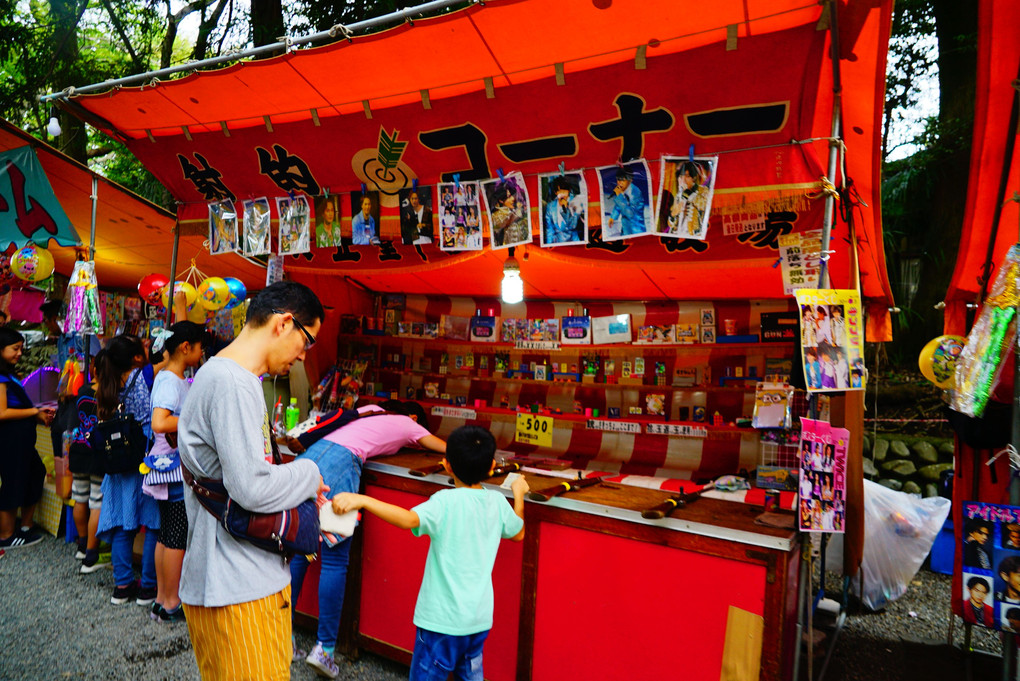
(975, 581)
(691, 169)
(285, 296)
(624, 173)
(470, 451)
(395, 406)
(187, 332)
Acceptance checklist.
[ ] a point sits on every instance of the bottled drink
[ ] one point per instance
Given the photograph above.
(292, 414)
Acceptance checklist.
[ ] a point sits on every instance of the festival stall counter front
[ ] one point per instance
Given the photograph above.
(657, 234)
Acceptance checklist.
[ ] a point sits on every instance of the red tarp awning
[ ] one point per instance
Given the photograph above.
(653, 76)
(998, 68)
(133, 236)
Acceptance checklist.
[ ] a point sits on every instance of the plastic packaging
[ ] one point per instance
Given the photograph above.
(278, 415)
(292, 414)
(899, 530)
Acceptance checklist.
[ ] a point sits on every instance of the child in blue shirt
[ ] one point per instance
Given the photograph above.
(454, 610)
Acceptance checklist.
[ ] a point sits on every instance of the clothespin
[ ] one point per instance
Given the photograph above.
(563, 170)
(414, 184)
(327, 192)
(364, 188)
(499, 172)
(776, 263)
(291, 195)
(456, 180)
(690, 154)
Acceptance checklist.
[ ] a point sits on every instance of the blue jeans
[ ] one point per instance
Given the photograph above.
(341, 470)
(121, 550)
(436, 655)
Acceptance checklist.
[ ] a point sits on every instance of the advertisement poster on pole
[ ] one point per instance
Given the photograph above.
(822, 477)
(832, 339)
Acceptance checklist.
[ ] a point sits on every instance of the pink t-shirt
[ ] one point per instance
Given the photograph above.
(378, 435)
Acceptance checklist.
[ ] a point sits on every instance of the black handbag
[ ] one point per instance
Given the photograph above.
(119, 443)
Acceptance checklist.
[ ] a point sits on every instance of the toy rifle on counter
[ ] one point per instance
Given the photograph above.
(426, 471)
(674, 502)
(563, 487)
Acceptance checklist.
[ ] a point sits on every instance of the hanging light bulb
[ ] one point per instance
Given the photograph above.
(53, 127)
(513, 285)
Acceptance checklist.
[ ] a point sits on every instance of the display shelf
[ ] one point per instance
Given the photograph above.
(563, 347)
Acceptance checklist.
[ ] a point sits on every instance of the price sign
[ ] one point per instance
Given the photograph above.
(533, 429)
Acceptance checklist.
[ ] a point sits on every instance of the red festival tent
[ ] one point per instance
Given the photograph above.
(530, 85)
(991, 221)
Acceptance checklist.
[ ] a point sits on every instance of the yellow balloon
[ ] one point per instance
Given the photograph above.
(213, 293)
(937, 361)
(197, 314)
(32, 263)
(189, 293)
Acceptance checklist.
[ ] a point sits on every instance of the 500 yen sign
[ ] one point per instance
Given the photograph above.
(534, 430)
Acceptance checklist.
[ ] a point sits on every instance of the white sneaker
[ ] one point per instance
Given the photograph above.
(322, 662)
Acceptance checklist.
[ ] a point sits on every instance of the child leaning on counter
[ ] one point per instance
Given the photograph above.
(453, 614)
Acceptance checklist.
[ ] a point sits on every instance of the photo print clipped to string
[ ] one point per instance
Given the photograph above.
(417, 224)
(295, 217)
(686, 187)
(365, 216)
(460, 216)
(800, 255)
(563, 206)
(832, 339)
(626, 200)
(822, 477)
(327, 220)
(509, 210)
(222, 227)
(256, 222)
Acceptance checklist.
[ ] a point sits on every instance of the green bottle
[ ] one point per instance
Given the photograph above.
(292, 414)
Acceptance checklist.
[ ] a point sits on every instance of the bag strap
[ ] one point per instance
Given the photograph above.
(120, 404)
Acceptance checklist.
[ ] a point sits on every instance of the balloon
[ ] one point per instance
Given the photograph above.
(151, 286)
(189, 292)
(938, 359)
(237, 292)
(197, 314)
(213, 293)
(32, 263)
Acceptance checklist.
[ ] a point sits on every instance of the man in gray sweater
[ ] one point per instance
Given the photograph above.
(237, 596)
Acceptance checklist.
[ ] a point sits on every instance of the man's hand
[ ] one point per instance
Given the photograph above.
(347, 501)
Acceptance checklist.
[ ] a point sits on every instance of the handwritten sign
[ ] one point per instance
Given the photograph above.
(533, 429)
(455, 413)
(676, 431)
(613, 426)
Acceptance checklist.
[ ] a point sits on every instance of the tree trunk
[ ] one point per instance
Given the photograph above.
(266, 23)
(65, 15)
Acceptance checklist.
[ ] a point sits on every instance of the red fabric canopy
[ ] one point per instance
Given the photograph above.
(998, 69)
(738, 78)
(133, 236)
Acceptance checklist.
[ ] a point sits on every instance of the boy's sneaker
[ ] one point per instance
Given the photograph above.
(20, 539)
(175, 615)
(146, 596)
(123, 594)
(81, 552)
(322, 662)
(94, 561)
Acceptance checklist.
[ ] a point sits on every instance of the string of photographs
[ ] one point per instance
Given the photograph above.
(681, 210)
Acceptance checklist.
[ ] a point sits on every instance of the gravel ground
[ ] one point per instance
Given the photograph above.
(56, 623)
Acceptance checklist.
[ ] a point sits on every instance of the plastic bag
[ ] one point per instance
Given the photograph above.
(899, 530)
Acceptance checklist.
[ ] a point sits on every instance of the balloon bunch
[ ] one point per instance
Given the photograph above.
(980, 362)
(210, 293)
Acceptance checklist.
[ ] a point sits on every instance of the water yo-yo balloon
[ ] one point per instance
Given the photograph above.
(32, 263)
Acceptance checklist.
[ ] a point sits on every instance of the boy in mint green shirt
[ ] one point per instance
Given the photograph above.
(454, 610)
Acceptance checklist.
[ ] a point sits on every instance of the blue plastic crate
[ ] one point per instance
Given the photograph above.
(943, 550)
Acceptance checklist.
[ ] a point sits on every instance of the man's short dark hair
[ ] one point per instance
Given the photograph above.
(624, 173)
(470, 451)
(691, 169)
(51, 308)
(1009, 565)
(975, 524)
(978, 581)
(285, 296)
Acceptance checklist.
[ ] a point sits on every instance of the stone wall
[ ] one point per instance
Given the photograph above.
(906, 463)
